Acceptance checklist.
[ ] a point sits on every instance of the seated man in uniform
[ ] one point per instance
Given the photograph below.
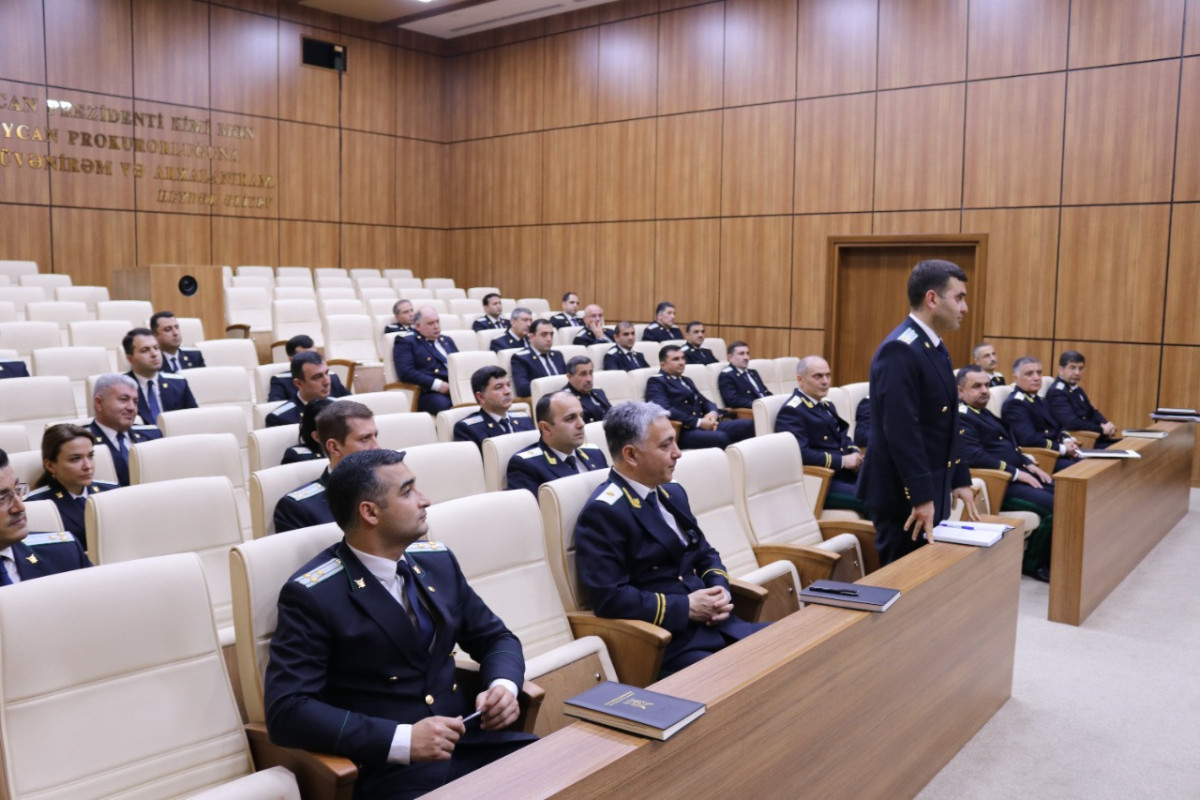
(492, 310)
(569, 316)
(663, 328)
(282, 387)
(984, 356)
(402, 310)
(1070, 404)
(422, 358)
(166, 331)
(310, 376)
(115, 403)
(358, 664)
(539, 361)
(676, 393)
(862, 422)
(985, 443)
(493, 393)
(344, 428)
(622, 355)
(1026, 415)
(821, 433)
(639, 552)
(157, 391)
(594, 331)
(739, 385)
(561, 451)
(517, 335)
(694, 352)
(580, 376)
(23, 555)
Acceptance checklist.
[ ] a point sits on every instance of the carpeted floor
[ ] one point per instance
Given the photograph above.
(1110, 709)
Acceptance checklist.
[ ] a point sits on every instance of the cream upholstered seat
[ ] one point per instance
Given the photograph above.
(229, 353)
(248, 271)
(106, 333)
(404, 285)
(400, 431)
(197, 515)
(538, 305)
(252, 281)
(637, 382)
(705, 380)
(445, 421)
(25, 337)
(463, 337)
(22, 296)
(258, 415)
(650, 350)
(357, 273)
(389, 402)
(42, 516)
(464, 306)
(250, 307)
(438, 283)
(768, 370)
(497, 450)
(303, 273)
(294, 317)
(60, 312)
(448, 294)
(47, 280)
(785, 369)
(705, 476)
(35, 401)
(477, 293)
(265, 446)
(448, 469)
(718, 347)
(855, 393)
(76, 364)
(336, 291)
(498, 542)
(593, 433)
(351, 337)
(616, 385)
(14, 269)
(88, 295)
(138, 694)
(396, 273)
(293, 292)
(546, 385)
(997, 395)
(330, 306)
(195, 456)
(271, 483)
(214, 419)
(768, 480)
(135, 312)
(222, 386)
(27, 465)
(14, 438)
(765, 410)
(380, 307)
(485, 337)
(461, 366)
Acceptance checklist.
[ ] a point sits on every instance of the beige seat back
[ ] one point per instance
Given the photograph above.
(438, 283)
(252, 271)
(447, 469)
(650, 350)
(465, 306)
(637, 382)
(35, 401)
(399, 431)
(195, 456)
(135, 312)
(449, 294)
(60, 312)
(463, 337)
(461, 366)
(538, 305)
(248, 306)
(997, 395)
(704, 474)
(596, 354)
(257, 571)
(765, 410)
(42, 516)
(294, 317)
(477, 293)
(47, 280)
(390, 402)
(13, 269)
(497, 450)
(705, 380)
(593, 433)
(841, 402)
(352, 337)
(405, 283)
(543, 386)
(214, 419)
(76, 364)
(855, 393)
(22, 296)
(25, 337)
(616, 385)
(14, 438)
(289, 291)
(718, 347)
(222, 386)
(768, 370)
(258, 415)
(27, 466)
(228, 353)
(266, 446)
(106, 333)
(785, 368)
(8, 313)
(134, 655)
(561, 501)
(262, 377)
(446, 420)
(570, 350)
(294, 272)
(271, 483)
(252, 281)
(332, 306)
(88, 295)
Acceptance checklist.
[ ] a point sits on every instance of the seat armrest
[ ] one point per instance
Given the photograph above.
(1045, 457)
(825, 474)
(530, 700)
(995, 482)
(237, 327)
(635, 647)
(348, 365)
(1086, 439)
(863, 530)
(320, 776)
(812, 563)
(412, 387)
(748, 599)
(739, 413)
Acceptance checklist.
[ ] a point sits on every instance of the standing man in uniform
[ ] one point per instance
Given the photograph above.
(912, 467)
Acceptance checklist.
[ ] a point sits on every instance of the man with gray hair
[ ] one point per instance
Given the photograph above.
(115, 400)
(640, 553)
(423, 357)
(517, 335)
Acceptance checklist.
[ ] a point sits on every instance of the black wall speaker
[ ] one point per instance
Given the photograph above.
(328, 55)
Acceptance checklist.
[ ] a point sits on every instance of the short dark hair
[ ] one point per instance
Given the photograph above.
(576, 362)
(931, 274)
(127, 342)
(308, 423)
(296, 342)
(331, 423)
(487, 297)
(661, 307)
(692, 324)
(300, 359)
(623, 325)
(736, 344)
(354, 480)
(396, 305)
(963, 372)
(481, 377)
(666, 350)
(157, 315)
(537, 323)
(1071, 357)
(975, 350)
(568, 296)
(542, 408)
(3, 459)
(1023, 360)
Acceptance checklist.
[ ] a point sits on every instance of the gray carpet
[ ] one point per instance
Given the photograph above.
(1110, 709)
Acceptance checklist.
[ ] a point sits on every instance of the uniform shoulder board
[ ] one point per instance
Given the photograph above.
(728, 369)
(108, 484)
(35, 539)
(654, 325)
(590, 446)
(1059, 385)
(284, 407)
(171, 376)
(518, 414)
(299, 448)
(427, 547)
(908, 337)
(611, 494)
(143, 427)
(473, 419)
(530, 452)
(317, 574)
(404, 334)
(36, 492)
(287, 375)
(612, 350)
(307, 491)
(794, 402)
(963, 408)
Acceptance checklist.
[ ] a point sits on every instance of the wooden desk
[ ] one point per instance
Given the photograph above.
(826, 703)
(1109, 513)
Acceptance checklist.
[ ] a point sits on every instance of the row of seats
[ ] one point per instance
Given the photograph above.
(68, 304)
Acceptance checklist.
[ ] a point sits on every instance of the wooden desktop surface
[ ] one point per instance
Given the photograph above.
(827, 702)
(1108, 514)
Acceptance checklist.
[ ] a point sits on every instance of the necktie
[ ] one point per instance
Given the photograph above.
(572, 463)
(753, 384)
(175, 364)
(5, 580)
(152, 402)
(550, 370)
(416, 611)
(946, 353)
(124, 448)
(505, 425)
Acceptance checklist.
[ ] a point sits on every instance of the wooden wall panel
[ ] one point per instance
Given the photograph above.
(916, 222)
(368, 178)
(469, 166)
(181, 195)
(244, 241)
(519, 87)
(1100, 246)
(306, 94)
(371, 246)
(1116, 32)
(170, 52)
(835, 154)
(802, 343)
(173, 239)
(922, 42)
(309, 172)
(764, 342)
(760, 51)
(421, 250)
(569, 180)
(23, 57)
(836, 47)
(309, 244)
(517, 180)
(1187, 159)
(24, 184)
(421, 183)
(31, 224)
(418, 91)
(244, 61)
(89, 45)
(625, 259)
(1179, 381)
(1009, 161)
(1008, 350)
(918, 146)
(90, 244)
(691, 55)
(1120, 138)
(756, 271)
(1183, 277)
(688, 179)
(1191, 35)
(757, 159)
(370, 73)
(256, 157)
(1017, 37)
(1021, 270)
(469, 257)
(568, 260)
(687, 257)
(470, 99)
(517, 256)
(628, 69)
(810, 262)
(625, 158)
(572, 78)
(1121, 379)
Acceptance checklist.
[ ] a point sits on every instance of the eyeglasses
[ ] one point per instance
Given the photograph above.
(8, 495)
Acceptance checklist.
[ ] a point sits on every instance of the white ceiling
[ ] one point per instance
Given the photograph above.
(448, 19)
